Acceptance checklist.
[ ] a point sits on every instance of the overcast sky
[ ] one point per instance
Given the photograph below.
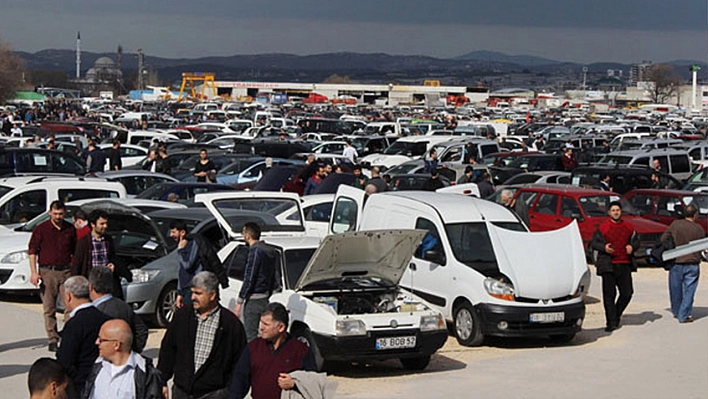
(566, 30)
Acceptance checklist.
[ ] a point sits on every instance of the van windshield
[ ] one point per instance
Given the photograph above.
(472, 246)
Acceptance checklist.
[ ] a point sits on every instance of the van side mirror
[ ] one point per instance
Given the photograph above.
(434, 256)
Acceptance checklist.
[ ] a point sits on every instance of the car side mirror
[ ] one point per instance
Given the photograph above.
(577, 217)
(434, 256)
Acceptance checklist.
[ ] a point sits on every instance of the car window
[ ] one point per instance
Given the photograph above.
(72, 194)
(344, 217)
(570, 208)
(235, 263)
(24, 207)
(431, 241)
(547, 204)
(454, 154)
(669, 206)
(643, 203)
(295, 262)
(679, 164)
(695, 154)
(528, 197)
(319, 212)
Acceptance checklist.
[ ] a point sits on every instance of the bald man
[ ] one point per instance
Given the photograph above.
(119, 372)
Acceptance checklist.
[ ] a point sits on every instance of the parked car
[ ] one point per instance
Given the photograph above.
(555, 206)
(343, 294)
(129, 154)
(136, 181)
(665, 206)
(136, 241)
(185, 192)
(623, 178)
(153, 291)
(674, 162)
(36, 161)
(540, 177)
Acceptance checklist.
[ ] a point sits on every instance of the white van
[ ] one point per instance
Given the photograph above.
(478, 264)
(23, 198)
(136, 136)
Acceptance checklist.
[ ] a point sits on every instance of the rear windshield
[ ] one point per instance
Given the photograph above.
(407, 148)
(4, 190)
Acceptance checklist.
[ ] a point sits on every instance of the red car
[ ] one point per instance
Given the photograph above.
(665, 206)
(554, 206)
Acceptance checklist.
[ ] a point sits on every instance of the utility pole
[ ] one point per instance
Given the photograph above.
(694, 72)
(585, 77)
(78, 55)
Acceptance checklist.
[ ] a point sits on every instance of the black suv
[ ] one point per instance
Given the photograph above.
(36, 161)
(622, 178)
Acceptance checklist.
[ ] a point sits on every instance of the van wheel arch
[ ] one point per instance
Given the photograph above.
(467, 326)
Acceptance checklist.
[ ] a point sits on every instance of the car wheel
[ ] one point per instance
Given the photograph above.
(304, 335)
(467, 326)
(166, 305)
(563, 338)
(415, 363)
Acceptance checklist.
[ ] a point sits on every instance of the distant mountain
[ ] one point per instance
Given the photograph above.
(493, 56)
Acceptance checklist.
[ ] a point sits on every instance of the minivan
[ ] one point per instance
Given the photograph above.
(674, 162)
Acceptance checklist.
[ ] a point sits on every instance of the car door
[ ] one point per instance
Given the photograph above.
(430, 260)
(645, 204)
(668, 209)
(544, 215)
(347, 210)
(569, 211)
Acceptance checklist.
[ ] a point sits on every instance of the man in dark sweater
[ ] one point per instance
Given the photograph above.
(266, 362)
(684, 274)
(78, 338)
(202, 344)
(615, 241)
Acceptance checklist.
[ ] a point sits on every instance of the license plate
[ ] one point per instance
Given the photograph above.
(547, 317)
(395, 342)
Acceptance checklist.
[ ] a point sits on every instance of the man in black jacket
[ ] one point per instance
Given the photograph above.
(78, 350)
(195, 254)
(202, 344)
(100, 288)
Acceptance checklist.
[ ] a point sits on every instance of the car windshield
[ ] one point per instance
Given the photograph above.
(403, 169)
(239, 166)
(598, 205)
(4, 190)
(281, 210)
(630, 145)
(480, 256)
(616, 160)
(359, 143)
(407, 148)
(520, 162)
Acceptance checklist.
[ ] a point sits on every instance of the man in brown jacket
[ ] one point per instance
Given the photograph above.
(684, 274)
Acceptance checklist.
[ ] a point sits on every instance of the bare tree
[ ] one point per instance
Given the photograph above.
(665, 82)
(11, 68)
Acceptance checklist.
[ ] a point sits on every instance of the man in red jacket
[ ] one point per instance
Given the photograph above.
(615, 241)
(266, 361)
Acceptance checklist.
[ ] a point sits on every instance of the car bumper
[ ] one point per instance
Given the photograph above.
(16, 278)
(518, 320)
(142, 297)
(364, 347)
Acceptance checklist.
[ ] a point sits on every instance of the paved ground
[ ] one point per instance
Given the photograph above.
(651, 356)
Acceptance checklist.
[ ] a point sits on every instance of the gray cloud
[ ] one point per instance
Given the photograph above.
(598, 30)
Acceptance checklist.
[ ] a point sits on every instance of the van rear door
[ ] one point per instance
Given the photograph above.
(347, 210)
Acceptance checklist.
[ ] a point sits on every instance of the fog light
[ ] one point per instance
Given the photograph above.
(579, 323)
(503, 325)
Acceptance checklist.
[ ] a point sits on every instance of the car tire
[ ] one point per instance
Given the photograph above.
(415, 363)
(563, 338)
(303, 334)
(166, 305)
(466, 325)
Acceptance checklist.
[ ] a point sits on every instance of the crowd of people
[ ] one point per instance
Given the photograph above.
(208, 351)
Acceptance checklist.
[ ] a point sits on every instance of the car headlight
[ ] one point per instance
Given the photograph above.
(15, 257)
(430, 323)
(583, 285)
(144, 276)
(348, 327)
(499, 289)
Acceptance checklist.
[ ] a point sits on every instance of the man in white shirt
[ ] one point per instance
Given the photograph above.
(16, 131)
(120, 373)
(350, 152)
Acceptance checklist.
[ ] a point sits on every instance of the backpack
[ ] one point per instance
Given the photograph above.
(657, 251)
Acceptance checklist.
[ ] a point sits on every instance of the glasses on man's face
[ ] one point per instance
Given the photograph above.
(102, 340)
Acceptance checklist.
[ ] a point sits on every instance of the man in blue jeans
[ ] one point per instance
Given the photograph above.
(683, 276)
(258, 280)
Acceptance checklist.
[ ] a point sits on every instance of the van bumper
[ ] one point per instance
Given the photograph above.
(364, 347)
(518, 320)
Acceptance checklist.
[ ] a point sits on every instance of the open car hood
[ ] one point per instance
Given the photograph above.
(375, 254)
(541, 265)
